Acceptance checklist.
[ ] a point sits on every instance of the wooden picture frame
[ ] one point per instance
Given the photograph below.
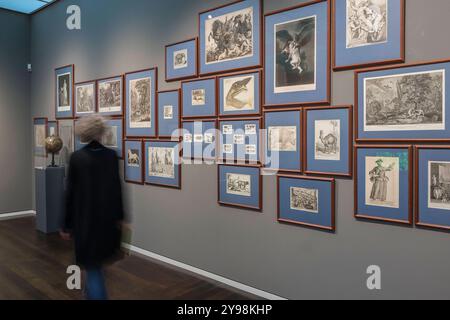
(216, 142)
(161, 113)
(142, 163)
(60, 71)
(186, 107)
(122, 108)
(40, 151)
(196, 57)
(79, 84)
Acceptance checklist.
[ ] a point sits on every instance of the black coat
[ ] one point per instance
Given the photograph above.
(94, 207)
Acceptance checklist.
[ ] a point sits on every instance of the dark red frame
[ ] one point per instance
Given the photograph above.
(180, 112)
(142, 162)
(73, 92)
(196, 58)
(216, 99)
(45, 155)
(123, 95)
(95, 82)
(216, 142)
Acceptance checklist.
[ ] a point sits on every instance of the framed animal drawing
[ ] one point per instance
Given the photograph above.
(134, 161)
(163, 164)
(40, 134)
(199, 98)
(169, 114)
(182, 60)
(110, 96)
(200, 139)
(85, 98)
(64, 88)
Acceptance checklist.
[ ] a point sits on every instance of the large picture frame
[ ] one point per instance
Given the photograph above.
(199, 98)
(40, 133)
(110, 96)
(163, 164)
(182, 60)
(134, 161)
(169, 114)
(200, 139)
(64, 92)
(86, 98)
(66, 131)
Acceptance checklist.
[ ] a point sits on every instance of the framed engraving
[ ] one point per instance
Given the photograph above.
(199, 139)
(67, 134)
(134, 161)
(64, 92)
(169, 114)
(40, 134)
(85, 98)
(199, 98)
(181, 60)
(163, 164)
(110, 96)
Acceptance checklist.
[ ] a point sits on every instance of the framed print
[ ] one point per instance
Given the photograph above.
(230, 37)
(134, 161)
(52, 128)
(383, 183)
(240, 187)
(163, 164)
(64, 88)
(306, 201)
(297, 56)
(113, 136)
(141, 119)
(199, 98)
(240, 94)
(66, 132)
(329, 141)
(283, 142)
(169, 114)
(182, 60)
(110, 96)
(85, 98)
(78, 143)
(403, 103)
(199, 139)
(40, 134)
(368, 33)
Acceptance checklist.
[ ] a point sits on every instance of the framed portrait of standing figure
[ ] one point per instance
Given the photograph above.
(110, 96)
(368, 33)
(64, 88)
(297, 56)
(182, 60)
(163, 164)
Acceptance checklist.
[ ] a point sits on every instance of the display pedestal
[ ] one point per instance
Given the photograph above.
(49, 199)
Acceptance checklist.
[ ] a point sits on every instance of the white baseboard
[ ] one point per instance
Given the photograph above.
(212, 276)
(16, 215)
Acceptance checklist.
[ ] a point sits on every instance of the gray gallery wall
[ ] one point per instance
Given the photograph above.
(15, 115)
(119, 36)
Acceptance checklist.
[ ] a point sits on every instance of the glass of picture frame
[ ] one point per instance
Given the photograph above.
(295, 76)
(40, 134)
(110, 96)
(182, 60)
(199, 98)
(246, 41)
(200, 139)
(64, 88)
(169, 115)
(163, 164)
(86, 98)
(134, 161)
(383, 183)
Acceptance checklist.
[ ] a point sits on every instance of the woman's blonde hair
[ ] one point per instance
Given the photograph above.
(91, 128)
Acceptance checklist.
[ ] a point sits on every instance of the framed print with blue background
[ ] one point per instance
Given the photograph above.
(199, 98)
(52, 128)
(358, 44)
(110, 96)
(383, 183)
(113, 136)
(199, 139)
(64, 88)
(297, 56)
(86, 98)
(328, 141)
(403, 103)
(306, 201)
(169, 115)
(240, 94)
(182, 60)
(432, 181)
(134, 161)
(283, 143)
(141, 119)
(240, 187)
(66, 133)
(163, 164)
(215, 56)
(40, 134)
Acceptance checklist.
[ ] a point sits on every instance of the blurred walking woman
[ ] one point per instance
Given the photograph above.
(94, 210)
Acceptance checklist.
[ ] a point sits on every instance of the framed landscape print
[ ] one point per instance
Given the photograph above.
(199, 139)
(297, 55)
(134, 161)
(141, 119)
(403, 103)
(230, 37)
(52, 128)
(240, 94)
(169, 115)
(368, 33)
(283, 141)
(40, 134)
(182, 60)
(383, 183)
(110, 96)
(85, 98)
(329, 141)
(163, 164)
(306, 201)
(240, 187)
(113, 136)
(66, 132)
(199, 98)
(64, 87)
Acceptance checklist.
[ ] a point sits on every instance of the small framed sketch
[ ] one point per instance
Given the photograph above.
(199, 98)
(297, 51)
(52, 128)
(403, 103)
(85, 98)
(368, 33)
(64, 88)
(182, 60)
(240, 187)
(328, 141)
(283, 141)
(169, 115)
(134, 161)
(67, 134)
(141, 119)
(199, 139)
(306, 201)
(113, 136)
(243, 21)
(240, 94)
(40, 134)
(110, 96)
(383, 183)
(163, 164)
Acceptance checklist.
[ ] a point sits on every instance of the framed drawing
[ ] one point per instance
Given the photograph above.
(141, 119)
(163, 164)
(64, 88)
(113, 136)
(199, 98)
(283, 142)
(403, 103)
(134, 161)
(40, 134)
(368, 33)
(182, 60)
(240, 187)
(85, 98)
(383, 183)
(52, 128)
(306, 201)
(328, 141)
(237, 48)
(199, 139)
(110, 96)
(297, 56)
(67, 134)
(240, 94)
(169, 114)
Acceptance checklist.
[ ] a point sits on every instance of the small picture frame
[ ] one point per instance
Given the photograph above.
(182, 60)
(110, 96)
(85, 98)
(39, 135)
(64, 92)
(163, 164)
(200, 139)
(169, 114)
(199, 98)
(52, 128)
(134, 161)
